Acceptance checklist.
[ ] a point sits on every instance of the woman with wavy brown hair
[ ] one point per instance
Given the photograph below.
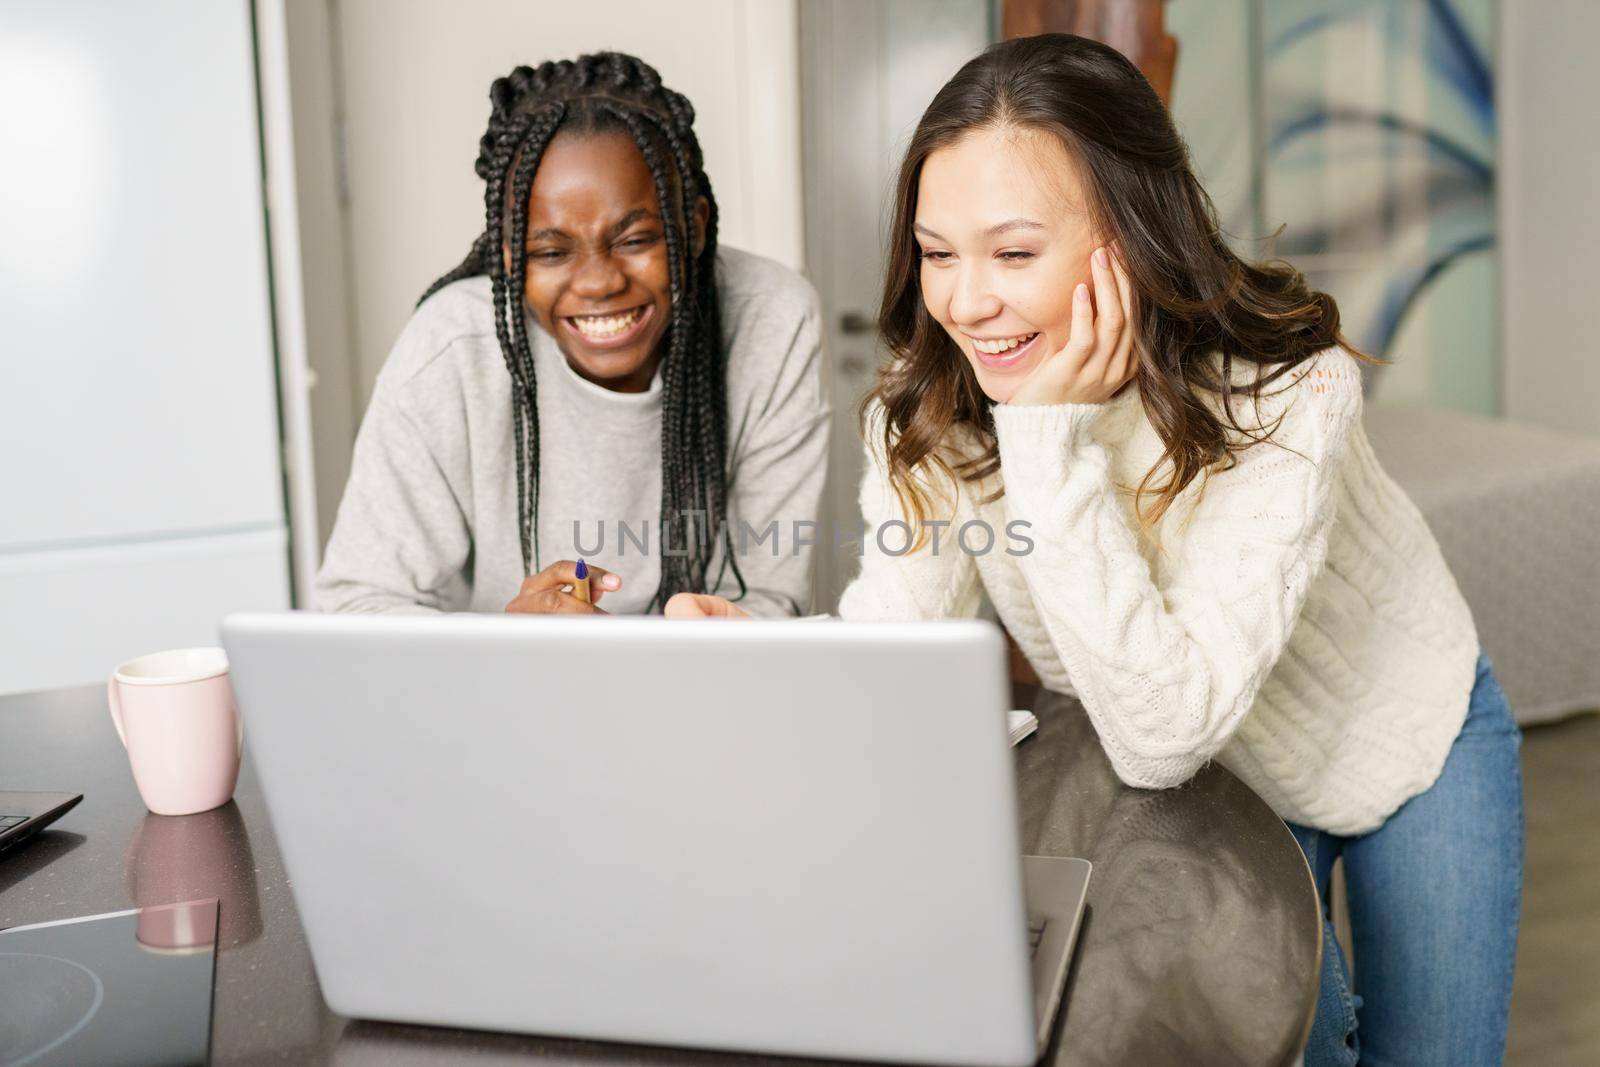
(1197, 539)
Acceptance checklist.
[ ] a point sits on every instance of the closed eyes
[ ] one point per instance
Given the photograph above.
(1015, 255)
(636, 243)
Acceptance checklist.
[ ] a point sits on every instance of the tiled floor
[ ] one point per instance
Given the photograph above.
(1555, 1009)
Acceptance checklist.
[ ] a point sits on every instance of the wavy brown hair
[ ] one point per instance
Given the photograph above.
(1192, 296)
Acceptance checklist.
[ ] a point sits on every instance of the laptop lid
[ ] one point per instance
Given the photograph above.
(786, 836)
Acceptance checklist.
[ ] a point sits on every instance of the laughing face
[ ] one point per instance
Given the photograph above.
(1005, 240)
(598, 277)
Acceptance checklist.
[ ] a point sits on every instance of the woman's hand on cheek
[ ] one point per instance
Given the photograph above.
(1100, 356)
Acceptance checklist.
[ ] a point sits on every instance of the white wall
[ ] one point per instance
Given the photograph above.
(1549, 212)
(415, 80)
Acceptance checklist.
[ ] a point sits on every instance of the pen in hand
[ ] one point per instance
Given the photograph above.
(580, 587)
(565, 586)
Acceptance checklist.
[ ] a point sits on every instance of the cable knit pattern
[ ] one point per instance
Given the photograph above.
(895, 584)
(1292, 617)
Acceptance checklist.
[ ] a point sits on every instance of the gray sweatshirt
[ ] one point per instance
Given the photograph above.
(429, 516)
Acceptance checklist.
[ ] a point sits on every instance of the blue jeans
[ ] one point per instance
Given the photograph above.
(1434, 894)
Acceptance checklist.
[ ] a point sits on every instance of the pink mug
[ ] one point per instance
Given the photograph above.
(178, 720)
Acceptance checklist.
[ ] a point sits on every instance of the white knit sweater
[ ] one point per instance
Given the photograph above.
(1296, 622)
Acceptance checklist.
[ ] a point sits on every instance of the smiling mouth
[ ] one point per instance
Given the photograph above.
(612, 330)
(1003, 351)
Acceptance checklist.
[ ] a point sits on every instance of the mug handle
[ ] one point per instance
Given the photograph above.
(116, 709)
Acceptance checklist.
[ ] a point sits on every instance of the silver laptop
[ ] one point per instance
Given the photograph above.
(790, 837)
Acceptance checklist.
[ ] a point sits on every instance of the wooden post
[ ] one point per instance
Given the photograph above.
(1136, 28)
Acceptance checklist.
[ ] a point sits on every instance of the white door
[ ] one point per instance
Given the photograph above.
(141, 493)
(868, 71)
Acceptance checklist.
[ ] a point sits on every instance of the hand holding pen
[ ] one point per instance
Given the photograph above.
(560, 589)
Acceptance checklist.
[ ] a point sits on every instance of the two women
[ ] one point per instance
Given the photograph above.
(1215, 562)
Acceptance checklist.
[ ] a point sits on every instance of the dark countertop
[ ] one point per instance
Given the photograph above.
(1200, 945)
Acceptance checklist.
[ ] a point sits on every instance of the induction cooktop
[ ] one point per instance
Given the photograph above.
(122, 989)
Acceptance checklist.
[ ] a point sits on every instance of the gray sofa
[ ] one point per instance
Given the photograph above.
(1516, 509)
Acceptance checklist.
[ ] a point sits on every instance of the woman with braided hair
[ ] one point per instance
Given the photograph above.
(597, 379)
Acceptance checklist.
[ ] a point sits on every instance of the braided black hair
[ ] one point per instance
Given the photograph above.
(605, 92)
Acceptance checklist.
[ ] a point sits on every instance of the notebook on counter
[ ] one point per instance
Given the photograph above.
(1019, 724)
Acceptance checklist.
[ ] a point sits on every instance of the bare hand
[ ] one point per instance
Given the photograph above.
(702, 606)
(550, 591)
(1100, 356)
